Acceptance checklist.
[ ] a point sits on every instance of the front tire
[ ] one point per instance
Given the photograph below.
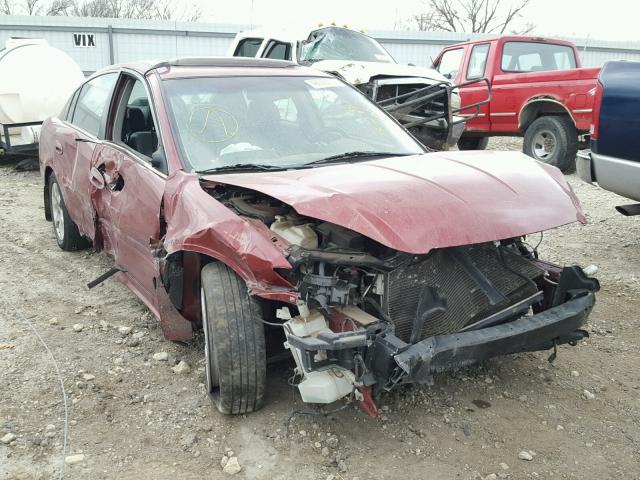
(65, 230)
(473, 143)
(552, 140)
(235, 349)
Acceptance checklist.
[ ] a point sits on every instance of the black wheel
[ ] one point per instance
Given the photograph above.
(552, 140)
(473, 143)
(235, 363)
(66, 231)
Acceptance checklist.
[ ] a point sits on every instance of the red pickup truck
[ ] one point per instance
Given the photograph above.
(538, 88)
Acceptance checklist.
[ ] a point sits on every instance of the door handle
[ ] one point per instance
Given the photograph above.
(59, 150)
(97, 178)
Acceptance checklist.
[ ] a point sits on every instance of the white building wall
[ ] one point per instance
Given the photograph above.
(122, 40)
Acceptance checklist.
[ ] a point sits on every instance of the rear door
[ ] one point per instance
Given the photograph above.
(129, 201)
(277, 50)
(76, 140)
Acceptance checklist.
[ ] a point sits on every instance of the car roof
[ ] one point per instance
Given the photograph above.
(290, 33)
(217, 67)
(512, 38)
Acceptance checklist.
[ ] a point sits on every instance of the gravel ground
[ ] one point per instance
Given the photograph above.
(130, 416)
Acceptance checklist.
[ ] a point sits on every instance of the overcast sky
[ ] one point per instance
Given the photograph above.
(602, 20)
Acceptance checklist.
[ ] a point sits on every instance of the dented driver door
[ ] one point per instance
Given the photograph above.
(127, 194)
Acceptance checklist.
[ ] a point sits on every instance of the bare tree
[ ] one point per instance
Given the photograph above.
(473, 16)
(141, 9)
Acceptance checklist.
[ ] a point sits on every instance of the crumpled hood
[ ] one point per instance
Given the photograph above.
(361, 72)
(417, 203)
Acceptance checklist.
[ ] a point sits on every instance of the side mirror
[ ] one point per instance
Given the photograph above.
(159, 160)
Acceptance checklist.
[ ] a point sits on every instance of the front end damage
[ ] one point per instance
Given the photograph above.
(423, 101)
(429, 110)
(367, 318)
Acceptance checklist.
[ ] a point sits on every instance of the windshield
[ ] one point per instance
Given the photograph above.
(284, 122)
(342, 44)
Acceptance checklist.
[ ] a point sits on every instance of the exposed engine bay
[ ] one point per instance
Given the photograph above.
(369, 318)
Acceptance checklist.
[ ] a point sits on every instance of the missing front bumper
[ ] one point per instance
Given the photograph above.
(390, 360)
(555, 326)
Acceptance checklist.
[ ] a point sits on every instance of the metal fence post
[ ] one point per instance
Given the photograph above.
(110, 36)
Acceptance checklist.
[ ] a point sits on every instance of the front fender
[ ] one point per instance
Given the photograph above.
(197, 222)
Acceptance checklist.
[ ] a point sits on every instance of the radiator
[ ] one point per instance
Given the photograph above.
(459, 285)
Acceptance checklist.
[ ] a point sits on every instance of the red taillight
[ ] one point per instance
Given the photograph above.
(595, 114)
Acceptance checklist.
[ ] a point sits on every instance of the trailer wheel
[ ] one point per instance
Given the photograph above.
(65, 230)
(473, 143)
(552, 140)
(235, 353)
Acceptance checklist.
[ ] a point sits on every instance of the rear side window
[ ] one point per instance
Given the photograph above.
(67, 110)
(93, 103)
(521, 57)
(478, 61)
(450, 62)
(278, 50)
(248, 47)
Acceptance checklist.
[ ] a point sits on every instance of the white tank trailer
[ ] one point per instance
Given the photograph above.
(36, 80)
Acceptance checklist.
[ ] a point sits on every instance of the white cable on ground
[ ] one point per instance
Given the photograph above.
(55, 365)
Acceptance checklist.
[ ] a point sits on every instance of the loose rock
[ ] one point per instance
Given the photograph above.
(161, 356)
(232, 466)
(123, 330)
(524, 455)
(587, 395)
(74, 459)
(77, 327)
(8, 438)
(182, 368)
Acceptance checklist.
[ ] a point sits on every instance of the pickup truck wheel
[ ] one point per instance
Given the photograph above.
(552, 140)
(473, 143)
(65, 230)
(235, 352)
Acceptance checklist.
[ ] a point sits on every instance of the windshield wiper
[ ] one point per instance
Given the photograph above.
(241, 167)
(355, 155)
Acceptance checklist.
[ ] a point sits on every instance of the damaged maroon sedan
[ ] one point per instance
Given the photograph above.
(248, 196)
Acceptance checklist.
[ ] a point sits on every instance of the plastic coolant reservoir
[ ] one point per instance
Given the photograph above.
(302, 235)
(325, 386)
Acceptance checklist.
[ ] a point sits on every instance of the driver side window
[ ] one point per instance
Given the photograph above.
(450, 62)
